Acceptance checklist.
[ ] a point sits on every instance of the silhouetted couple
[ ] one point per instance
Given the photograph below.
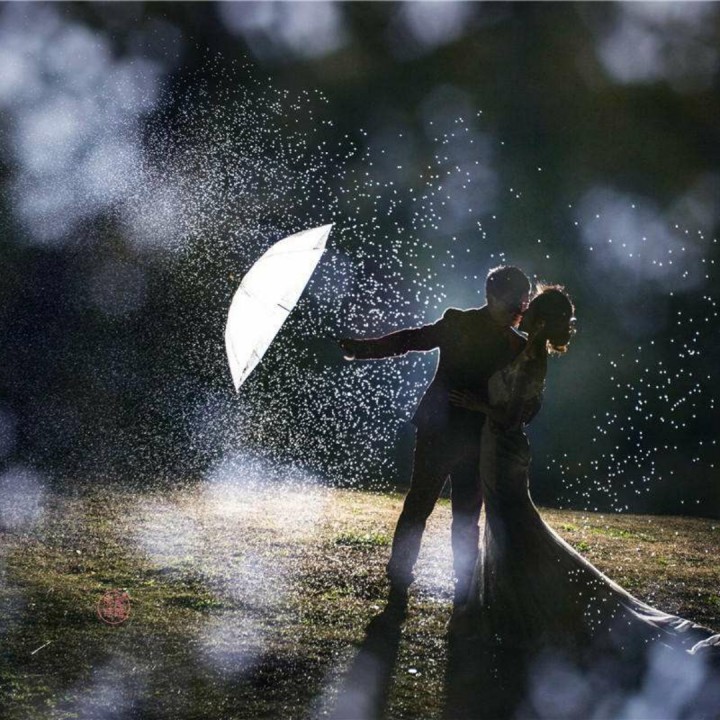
(473, 344)
(527, 596)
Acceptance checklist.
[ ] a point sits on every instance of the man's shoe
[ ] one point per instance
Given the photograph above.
(460, 622)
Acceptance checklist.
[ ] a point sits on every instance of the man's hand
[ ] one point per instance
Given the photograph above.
(350, 348)
(468, 400)
(530, 410)
(471, 401)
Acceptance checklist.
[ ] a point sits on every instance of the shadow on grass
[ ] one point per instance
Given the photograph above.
(365, 688)
(480, 681)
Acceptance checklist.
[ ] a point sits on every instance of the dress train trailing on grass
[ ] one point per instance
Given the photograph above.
(546, 633)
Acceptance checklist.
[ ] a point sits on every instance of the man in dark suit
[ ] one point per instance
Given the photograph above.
(473, 345)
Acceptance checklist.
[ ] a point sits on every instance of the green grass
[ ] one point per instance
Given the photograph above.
(355, 539)
(624, 534)
(568, 527)
(252, 605)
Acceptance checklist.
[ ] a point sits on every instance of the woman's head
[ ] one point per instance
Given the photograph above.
(552, 313)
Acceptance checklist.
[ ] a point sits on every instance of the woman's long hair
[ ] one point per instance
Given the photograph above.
(553, 306)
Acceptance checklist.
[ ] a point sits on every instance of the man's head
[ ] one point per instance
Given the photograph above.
(507, 290)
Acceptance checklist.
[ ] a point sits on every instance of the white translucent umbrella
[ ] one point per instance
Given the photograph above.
(267, 295)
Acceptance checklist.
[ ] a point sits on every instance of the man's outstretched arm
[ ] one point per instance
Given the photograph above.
(423, 338)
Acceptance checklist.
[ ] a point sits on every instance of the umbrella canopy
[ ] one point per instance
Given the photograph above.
(267, 295)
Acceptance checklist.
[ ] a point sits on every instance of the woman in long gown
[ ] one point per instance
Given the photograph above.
(551, 635)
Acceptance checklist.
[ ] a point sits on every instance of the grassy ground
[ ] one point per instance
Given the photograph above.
(250, 603)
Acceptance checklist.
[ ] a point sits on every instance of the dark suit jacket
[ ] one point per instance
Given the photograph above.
(472, 348)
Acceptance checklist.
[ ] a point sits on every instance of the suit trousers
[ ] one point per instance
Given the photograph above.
(454, 453)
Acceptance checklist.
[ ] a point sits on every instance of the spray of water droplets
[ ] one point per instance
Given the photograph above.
(652, 441)
(235, 164)
(226, 172)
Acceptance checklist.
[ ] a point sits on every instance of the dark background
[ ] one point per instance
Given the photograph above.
(150, 152)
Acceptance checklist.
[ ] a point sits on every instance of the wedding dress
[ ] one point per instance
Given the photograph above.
(552, 634)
